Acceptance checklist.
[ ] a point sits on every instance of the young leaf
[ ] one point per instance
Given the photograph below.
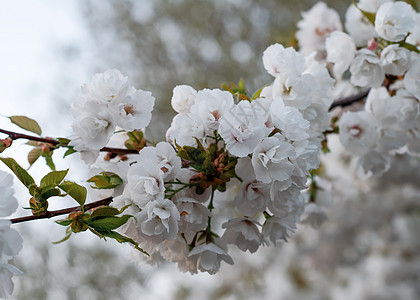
(33, 155)
(26, 123)
(69, 151)
(105, 211)
(106, 180)
(77, 192)
(108, 223)
(64, 222)
(20, 172)
(48, 160)
(53, 178)
(121, 239)
(49, 192)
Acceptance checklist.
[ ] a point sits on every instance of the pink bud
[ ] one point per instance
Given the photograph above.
(372, 44)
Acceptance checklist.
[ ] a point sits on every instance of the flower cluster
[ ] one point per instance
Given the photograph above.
(259, 150)
(380, 53)
(10, 240)
(106, 103)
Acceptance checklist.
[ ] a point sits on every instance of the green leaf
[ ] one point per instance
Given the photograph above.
(49, 192)
(106, 180)
(26, 123)
(20, 172)
(49, 160)
(121, 239)
(63, 141)
(69, 151)
(77, 192)
(33, 155)
(53, 178)
(108, 223)
(105, 211)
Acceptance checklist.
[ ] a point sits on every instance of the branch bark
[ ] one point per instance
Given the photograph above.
(346, 101)
(15, 136)
(54, 213)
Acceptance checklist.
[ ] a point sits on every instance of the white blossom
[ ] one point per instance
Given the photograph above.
(186, 127)
(271, 159)
(253, 194)
(394, 20)
(366, 69)
(158, 220)
(316, 25)
(412, 78)
(10, 241)
(358, 132)
(395, 60)
(183, 98)
(244, 233)
(8, 202)
(207, 256)
(279, 228)
(358, 26)
(285, 61)
(194, 215)
(242, 127)
(134, 111)
(340, 51)
(6, 284)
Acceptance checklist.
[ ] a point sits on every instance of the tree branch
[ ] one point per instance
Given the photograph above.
(346, 101)
(15, 136)
(54, 213)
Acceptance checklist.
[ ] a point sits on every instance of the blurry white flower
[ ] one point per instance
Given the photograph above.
(183, 98)
(340, 51)
(414, 36)
(158, 220)
(358, 26)
(6, 284)
(10, 241)
(394, 20)
(279, 228)
(358, 132)
(315, 27)
(243, 233)
(412, 78)
(395, 60)
(106, 87)
(271, 159)
(373, 163)
(207, 256)
(366, 69)
(314, 215)
(286, 61)
(8, 202)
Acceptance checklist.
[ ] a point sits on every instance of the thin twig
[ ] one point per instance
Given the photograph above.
(15, 136)
(54, 213)
(346, 101)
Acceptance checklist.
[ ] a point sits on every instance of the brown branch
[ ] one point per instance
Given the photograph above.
(54, 213)
(15, 136)
(346, 101)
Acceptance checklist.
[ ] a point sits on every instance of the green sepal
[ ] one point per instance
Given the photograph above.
(20, 172)
(370, 16)
(257, 94)
(65, 222)
(77, 192)
(53, 178)
(66, 237)
(69, 151)
(26, 123)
